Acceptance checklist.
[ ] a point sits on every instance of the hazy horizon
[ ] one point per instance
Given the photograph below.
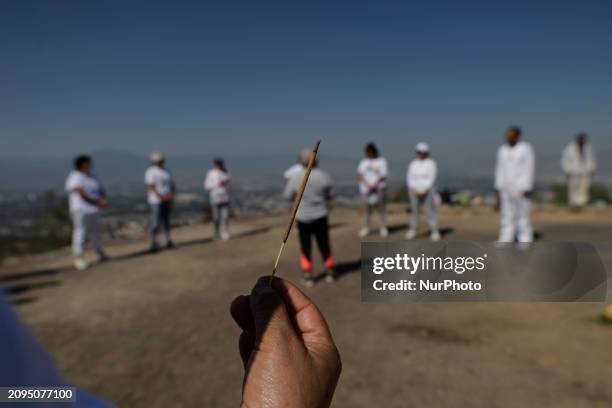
(244, 78)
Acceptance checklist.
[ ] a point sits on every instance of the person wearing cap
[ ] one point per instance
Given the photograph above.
(514, 178)
(160, 195)
(578, 163)
(420, 179)
(215, 184)
(311, 217)
(87, 198)
(372, 174)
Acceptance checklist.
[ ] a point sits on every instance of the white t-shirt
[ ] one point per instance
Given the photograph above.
(295, 169)
(215, 184)
(90, 185)
(161, 179)
(515, 168)
(372, 170)
(421, 175)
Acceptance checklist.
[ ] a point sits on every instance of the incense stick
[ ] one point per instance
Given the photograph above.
(296, 204)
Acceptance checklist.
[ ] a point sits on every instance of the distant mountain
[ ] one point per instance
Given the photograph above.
(123, 171)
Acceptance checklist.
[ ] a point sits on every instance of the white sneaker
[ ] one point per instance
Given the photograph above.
(80, 264)
(411, 234)
(384, 232)
(435, 236)
(225, 236)
(364, 232)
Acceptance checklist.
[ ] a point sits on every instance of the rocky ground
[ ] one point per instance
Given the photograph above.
(155, 331)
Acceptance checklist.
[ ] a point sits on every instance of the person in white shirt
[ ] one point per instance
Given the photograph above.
(420, 179)
(372, 173)
(294, 169)
(514, 178)
(160, 196)
(215, 183)
(86, 198)
(311, 217)
(578, 163)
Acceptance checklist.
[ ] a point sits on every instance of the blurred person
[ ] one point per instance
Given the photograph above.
(578, 164)
(215, 183)
(311, 217)
(87, 197)
(26, 364)
(286, 347)
(420, 179)
(372, 174)
(160, 196)
(295, 168)
(514, 179)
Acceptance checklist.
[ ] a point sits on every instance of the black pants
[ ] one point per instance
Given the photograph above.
(320, 229)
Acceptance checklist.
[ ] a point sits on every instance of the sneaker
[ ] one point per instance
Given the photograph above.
(411, 234)
(102, 257)
(154, 248)
(435, 236)
(225, 236)
(384, 232)
(330, 277)
(308, 281)
(364, 232)
(169, 245)
(80, 264)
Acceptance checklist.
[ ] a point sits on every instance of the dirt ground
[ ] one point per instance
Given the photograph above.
(155, 330)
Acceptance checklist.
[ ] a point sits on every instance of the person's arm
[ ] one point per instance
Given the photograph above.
(526, 181)
(430, 178)
(286, 347)
(210, 181)
(384, 170)
(498, 176)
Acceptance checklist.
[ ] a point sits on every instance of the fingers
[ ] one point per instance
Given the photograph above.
(246, 344)
(310, 323)
(241, 312)
(270, 315)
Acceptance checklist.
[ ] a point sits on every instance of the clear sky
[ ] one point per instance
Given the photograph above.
(252, 77)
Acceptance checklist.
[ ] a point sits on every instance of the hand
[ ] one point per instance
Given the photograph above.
(526, 194)
(288, 353)
(167, 198)
(102, 202)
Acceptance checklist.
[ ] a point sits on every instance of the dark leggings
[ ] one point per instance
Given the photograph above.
(320, 230)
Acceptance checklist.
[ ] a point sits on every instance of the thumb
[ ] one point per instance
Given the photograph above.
(270, 317)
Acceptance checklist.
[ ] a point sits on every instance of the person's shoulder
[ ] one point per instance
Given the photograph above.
(525, 146)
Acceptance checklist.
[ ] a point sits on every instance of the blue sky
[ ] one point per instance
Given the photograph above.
(268, 77)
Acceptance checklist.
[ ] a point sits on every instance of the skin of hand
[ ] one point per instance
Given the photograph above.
(102, 202)
(497, 200)
(289, 355)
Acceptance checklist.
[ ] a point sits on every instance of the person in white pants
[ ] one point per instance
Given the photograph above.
(87, 197)
(216, 183)
(372, 174)
(514, 177)
(420, 179)
(578, 163)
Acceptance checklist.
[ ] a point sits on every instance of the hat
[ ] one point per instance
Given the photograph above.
(156, 157)
(422, 147)
(305, 156)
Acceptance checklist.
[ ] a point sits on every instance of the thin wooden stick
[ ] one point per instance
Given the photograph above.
(296, 204)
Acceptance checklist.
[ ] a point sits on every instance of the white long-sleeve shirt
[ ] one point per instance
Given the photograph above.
(216, 185)
(572, 162)
(515, 168)
(421, 175)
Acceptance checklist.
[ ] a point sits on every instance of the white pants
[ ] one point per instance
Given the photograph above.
(578, 189)
(85, 226)
(515, 217)
(430, 207)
